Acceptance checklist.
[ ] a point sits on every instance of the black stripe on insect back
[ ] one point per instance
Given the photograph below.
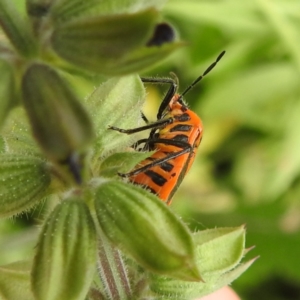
(186, 148)
(166, 166)
(181, 138)
(181, 127)
(156, 178)
(183, 118)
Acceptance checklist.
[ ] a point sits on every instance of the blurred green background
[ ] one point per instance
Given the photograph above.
(248, 166)
(247, 170)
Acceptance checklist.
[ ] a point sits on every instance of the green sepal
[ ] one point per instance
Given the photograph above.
(15, 281)
(59, 122)
(143, 226)
(65, 260)
(17, 29)
(227, 278)
(168, 288)
(121, 162)
(114, 280)
(117, 102)
(218, 253)
(7, 90)
(65, 10)
(95, 42)
(23, 182)
(220, 249)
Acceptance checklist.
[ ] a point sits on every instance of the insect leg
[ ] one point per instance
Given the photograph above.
(186, 148)
(141, 141)
(155, 125)
(169, 95)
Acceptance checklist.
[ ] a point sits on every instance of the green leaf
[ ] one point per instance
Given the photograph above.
(65, 260)
(60, 124)
(23, 182)
(144, 227)
(17, 29)
(90, 43)
(121, 162)
(15, 281)
(117, 102)
(7, 90)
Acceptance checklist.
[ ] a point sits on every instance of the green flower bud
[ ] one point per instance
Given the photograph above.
(65, 260)
(17, 29)
(94, 43)
(144, 227)
(59, 123)
(65, 10)
(23, 182)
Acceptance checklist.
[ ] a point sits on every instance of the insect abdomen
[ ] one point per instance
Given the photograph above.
(162, 179)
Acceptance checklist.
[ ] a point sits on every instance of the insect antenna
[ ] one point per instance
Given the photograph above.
(204, 74)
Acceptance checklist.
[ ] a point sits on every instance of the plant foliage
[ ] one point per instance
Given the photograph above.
(56, 152)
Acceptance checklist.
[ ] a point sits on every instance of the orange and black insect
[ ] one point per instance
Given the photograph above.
(175, 136)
